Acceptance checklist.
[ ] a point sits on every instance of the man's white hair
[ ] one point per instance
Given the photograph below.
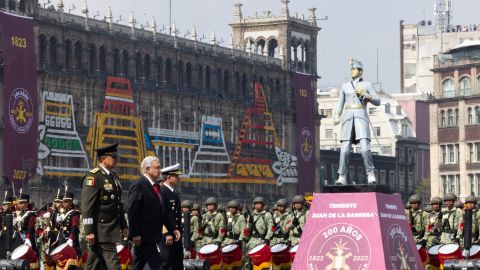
(147, 162)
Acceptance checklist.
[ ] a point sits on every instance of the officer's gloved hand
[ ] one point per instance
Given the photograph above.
(28, 243)
(70, 242)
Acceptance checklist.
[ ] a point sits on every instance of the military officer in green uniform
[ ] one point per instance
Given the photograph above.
(451, 219)
(279, 235)
(418, 219)
(261, 227)
(295, 221)
(236, 224)
(213, 224)
(103, 215)
(433, 231)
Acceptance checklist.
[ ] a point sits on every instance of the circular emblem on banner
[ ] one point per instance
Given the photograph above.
(400, 253)
(20, 110)
(339, 246)
(305, 142)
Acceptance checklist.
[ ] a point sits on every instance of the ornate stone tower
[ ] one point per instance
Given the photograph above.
(290, 38)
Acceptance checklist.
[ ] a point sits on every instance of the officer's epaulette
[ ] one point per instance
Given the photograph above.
(95, 170)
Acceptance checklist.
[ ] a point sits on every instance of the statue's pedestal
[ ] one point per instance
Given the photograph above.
(355, 189)
(358, 231)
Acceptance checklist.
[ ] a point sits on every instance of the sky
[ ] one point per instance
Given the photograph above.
(355, 29)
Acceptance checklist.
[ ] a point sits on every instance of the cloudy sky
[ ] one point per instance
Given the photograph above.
(353, 29)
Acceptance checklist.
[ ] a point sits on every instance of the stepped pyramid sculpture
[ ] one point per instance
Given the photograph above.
(255, 149)
(119, 124)
(61, 151)
(211, 158)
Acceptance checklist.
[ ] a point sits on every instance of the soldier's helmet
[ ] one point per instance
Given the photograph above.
(449, 197)
(274, 207)
(428, 208)
(436, 200)
(408, 206)
(298, 199)
(282, 202)
(459, 204)
(471, 199)
(211, 200)
(233, 204)
(259, 200)
(415, 198)
(195, 207)
(221, 207)
(187, 204)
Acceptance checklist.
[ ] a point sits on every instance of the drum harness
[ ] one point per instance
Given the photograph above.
(230, 233)
(210, 218)
(416, 233)
(256, 233)
(18, 224)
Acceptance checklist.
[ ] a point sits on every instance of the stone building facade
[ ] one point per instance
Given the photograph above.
(183, 94)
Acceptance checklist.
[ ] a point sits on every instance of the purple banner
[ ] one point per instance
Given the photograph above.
(20, 114)
(305, 110)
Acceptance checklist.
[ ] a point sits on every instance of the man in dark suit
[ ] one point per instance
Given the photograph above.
(171, 176)
(147, 214)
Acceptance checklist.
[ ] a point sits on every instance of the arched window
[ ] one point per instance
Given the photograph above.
(478, 88)
(168, 71)
(450, 117)
(68, 53)
(52, 50)
(125, 63)
(42, 49)
(200, 77)
(146, 66)
(442, 118)
(93, 57)
(457, 117)
(102, 59)
(273, 48)
(260, 46)
(77, 54)
(465, 86)
(477, 115)
(448, 88)
(470, 116)
(116, 62)
(138, 66)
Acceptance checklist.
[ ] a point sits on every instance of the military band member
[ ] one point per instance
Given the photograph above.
(7, 208)
(433, 231)
(418, 219)
(471, 203)
(196, 230)
(279, 235)
(261, 227)
(102, 211)
(451, 219)
(25, 220)
(171, 176)
(236, 223)
(295, 221)
(213, 224)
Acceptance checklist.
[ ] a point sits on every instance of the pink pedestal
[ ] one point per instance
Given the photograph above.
(357, 231)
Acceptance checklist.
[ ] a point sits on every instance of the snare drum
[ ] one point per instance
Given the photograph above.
(124, 256)
(474, 252)
(212, 254)
(281, 257)
(293, 252)
(232, 257)
(433, 256)
(25, 252)
(61, 254)
(423, 254)
(260, 257)
(449, 251)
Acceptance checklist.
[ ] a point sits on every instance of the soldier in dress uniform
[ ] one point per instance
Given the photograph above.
(418, 219)
(433, 231)
(7, 208)
(70, 231)
(295, 221)
(213, 224)
(103, 215)
(451, 219)
(261, 227)
(25, 220)
(236, 223)
(171, 176)
(279, 235)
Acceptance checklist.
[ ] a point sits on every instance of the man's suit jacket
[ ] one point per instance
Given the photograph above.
(174, 206)
(146, 214)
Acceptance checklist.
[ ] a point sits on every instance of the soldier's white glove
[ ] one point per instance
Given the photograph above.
(70, 242)
(28, 243)
(336, 121)
(46, 215)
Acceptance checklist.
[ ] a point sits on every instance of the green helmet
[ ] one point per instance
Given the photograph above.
(471, 199)
(428, 208)
(408, 206)
(282, 202)
(187, 204)
(221, 207)
(436, 200)
(196, 207)
(211, 200)
(274, 207)
(415, 199)
(259, 200)
(449, 197)
(233, 204)
(459, 204)
(298, 199)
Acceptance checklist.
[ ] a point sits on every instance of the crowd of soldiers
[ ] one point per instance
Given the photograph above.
(59, 223)
(441, 221)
